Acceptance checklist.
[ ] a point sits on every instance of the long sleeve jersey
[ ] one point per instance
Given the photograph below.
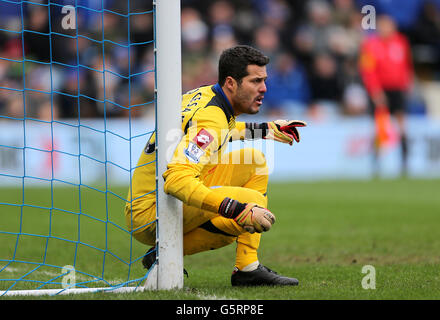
(208, 124)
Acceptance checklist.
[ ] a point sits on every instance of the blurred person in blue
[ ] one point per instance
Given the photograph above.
(267, 39)
(288, 88)
(314, 33)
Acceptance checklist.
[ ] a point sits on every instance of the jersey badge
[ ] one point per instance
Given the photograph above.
(196, 148)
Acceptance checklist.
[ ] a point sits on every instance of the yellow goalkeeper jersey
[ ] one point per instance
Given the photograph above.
(208, 124)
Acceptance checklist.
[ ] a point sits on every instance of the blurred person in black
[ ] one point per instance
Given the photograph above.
(425, 37)
(325, 86)
(37, 44)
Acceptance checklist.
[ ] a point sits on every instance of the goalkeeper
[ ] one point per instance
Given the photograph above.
(223, 194)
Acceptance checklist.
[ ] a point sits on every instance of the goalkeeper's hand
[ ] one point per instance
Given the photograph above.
(255, 219)
(284, 130)
(250, 216)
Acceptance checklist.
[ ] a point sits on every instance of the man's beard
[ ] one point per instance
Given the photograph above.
(245, 104)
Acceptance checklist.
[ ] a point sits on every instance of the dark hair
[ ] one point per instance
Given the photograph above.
(234, 61)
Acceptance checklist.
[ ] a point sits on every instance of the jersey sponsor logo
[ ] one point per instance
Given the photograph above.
(203, 139)
(196, 148)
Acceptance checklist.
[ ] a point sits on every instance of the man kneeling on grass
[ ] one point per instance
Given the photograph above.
(224, 195)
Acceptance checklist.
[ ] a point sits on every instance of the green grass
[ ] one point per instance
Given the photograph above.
(325, 233)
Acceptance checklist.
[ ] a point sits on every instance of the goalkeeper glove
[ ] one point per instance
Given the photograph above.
(247, 215)
(284, 130)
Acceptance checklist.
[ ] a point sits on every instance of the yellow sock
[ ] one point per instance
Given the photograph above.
(245, 256)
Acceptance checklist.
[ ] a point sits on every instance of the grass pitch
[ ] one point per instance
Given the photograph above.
(325, 233)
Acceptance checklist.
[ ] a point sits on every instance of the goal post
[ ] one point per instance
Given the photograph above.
(168, 126)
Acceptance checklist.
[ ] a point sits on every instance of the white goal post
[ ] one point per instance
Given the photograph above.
(168, 123)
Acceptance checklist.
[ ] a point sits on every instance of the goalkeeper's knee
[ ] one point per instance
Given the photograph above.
(247, 195)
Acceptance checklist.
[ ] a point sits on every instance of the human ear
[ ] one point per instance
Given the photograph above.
(230, 84)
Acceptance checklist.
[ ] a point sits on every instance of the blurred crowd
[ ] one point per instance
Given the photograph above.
(313, 45)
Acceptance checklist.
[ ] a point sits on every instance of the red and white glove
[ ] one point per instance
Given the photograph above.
(250, 216)
(284, 131)
(255, 219)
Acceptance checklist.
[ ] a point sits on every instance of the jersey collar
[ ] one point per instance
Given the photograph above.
(217, 88)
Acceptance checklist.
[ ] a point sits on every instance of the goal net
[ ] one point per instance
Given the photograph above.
(83, 85)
